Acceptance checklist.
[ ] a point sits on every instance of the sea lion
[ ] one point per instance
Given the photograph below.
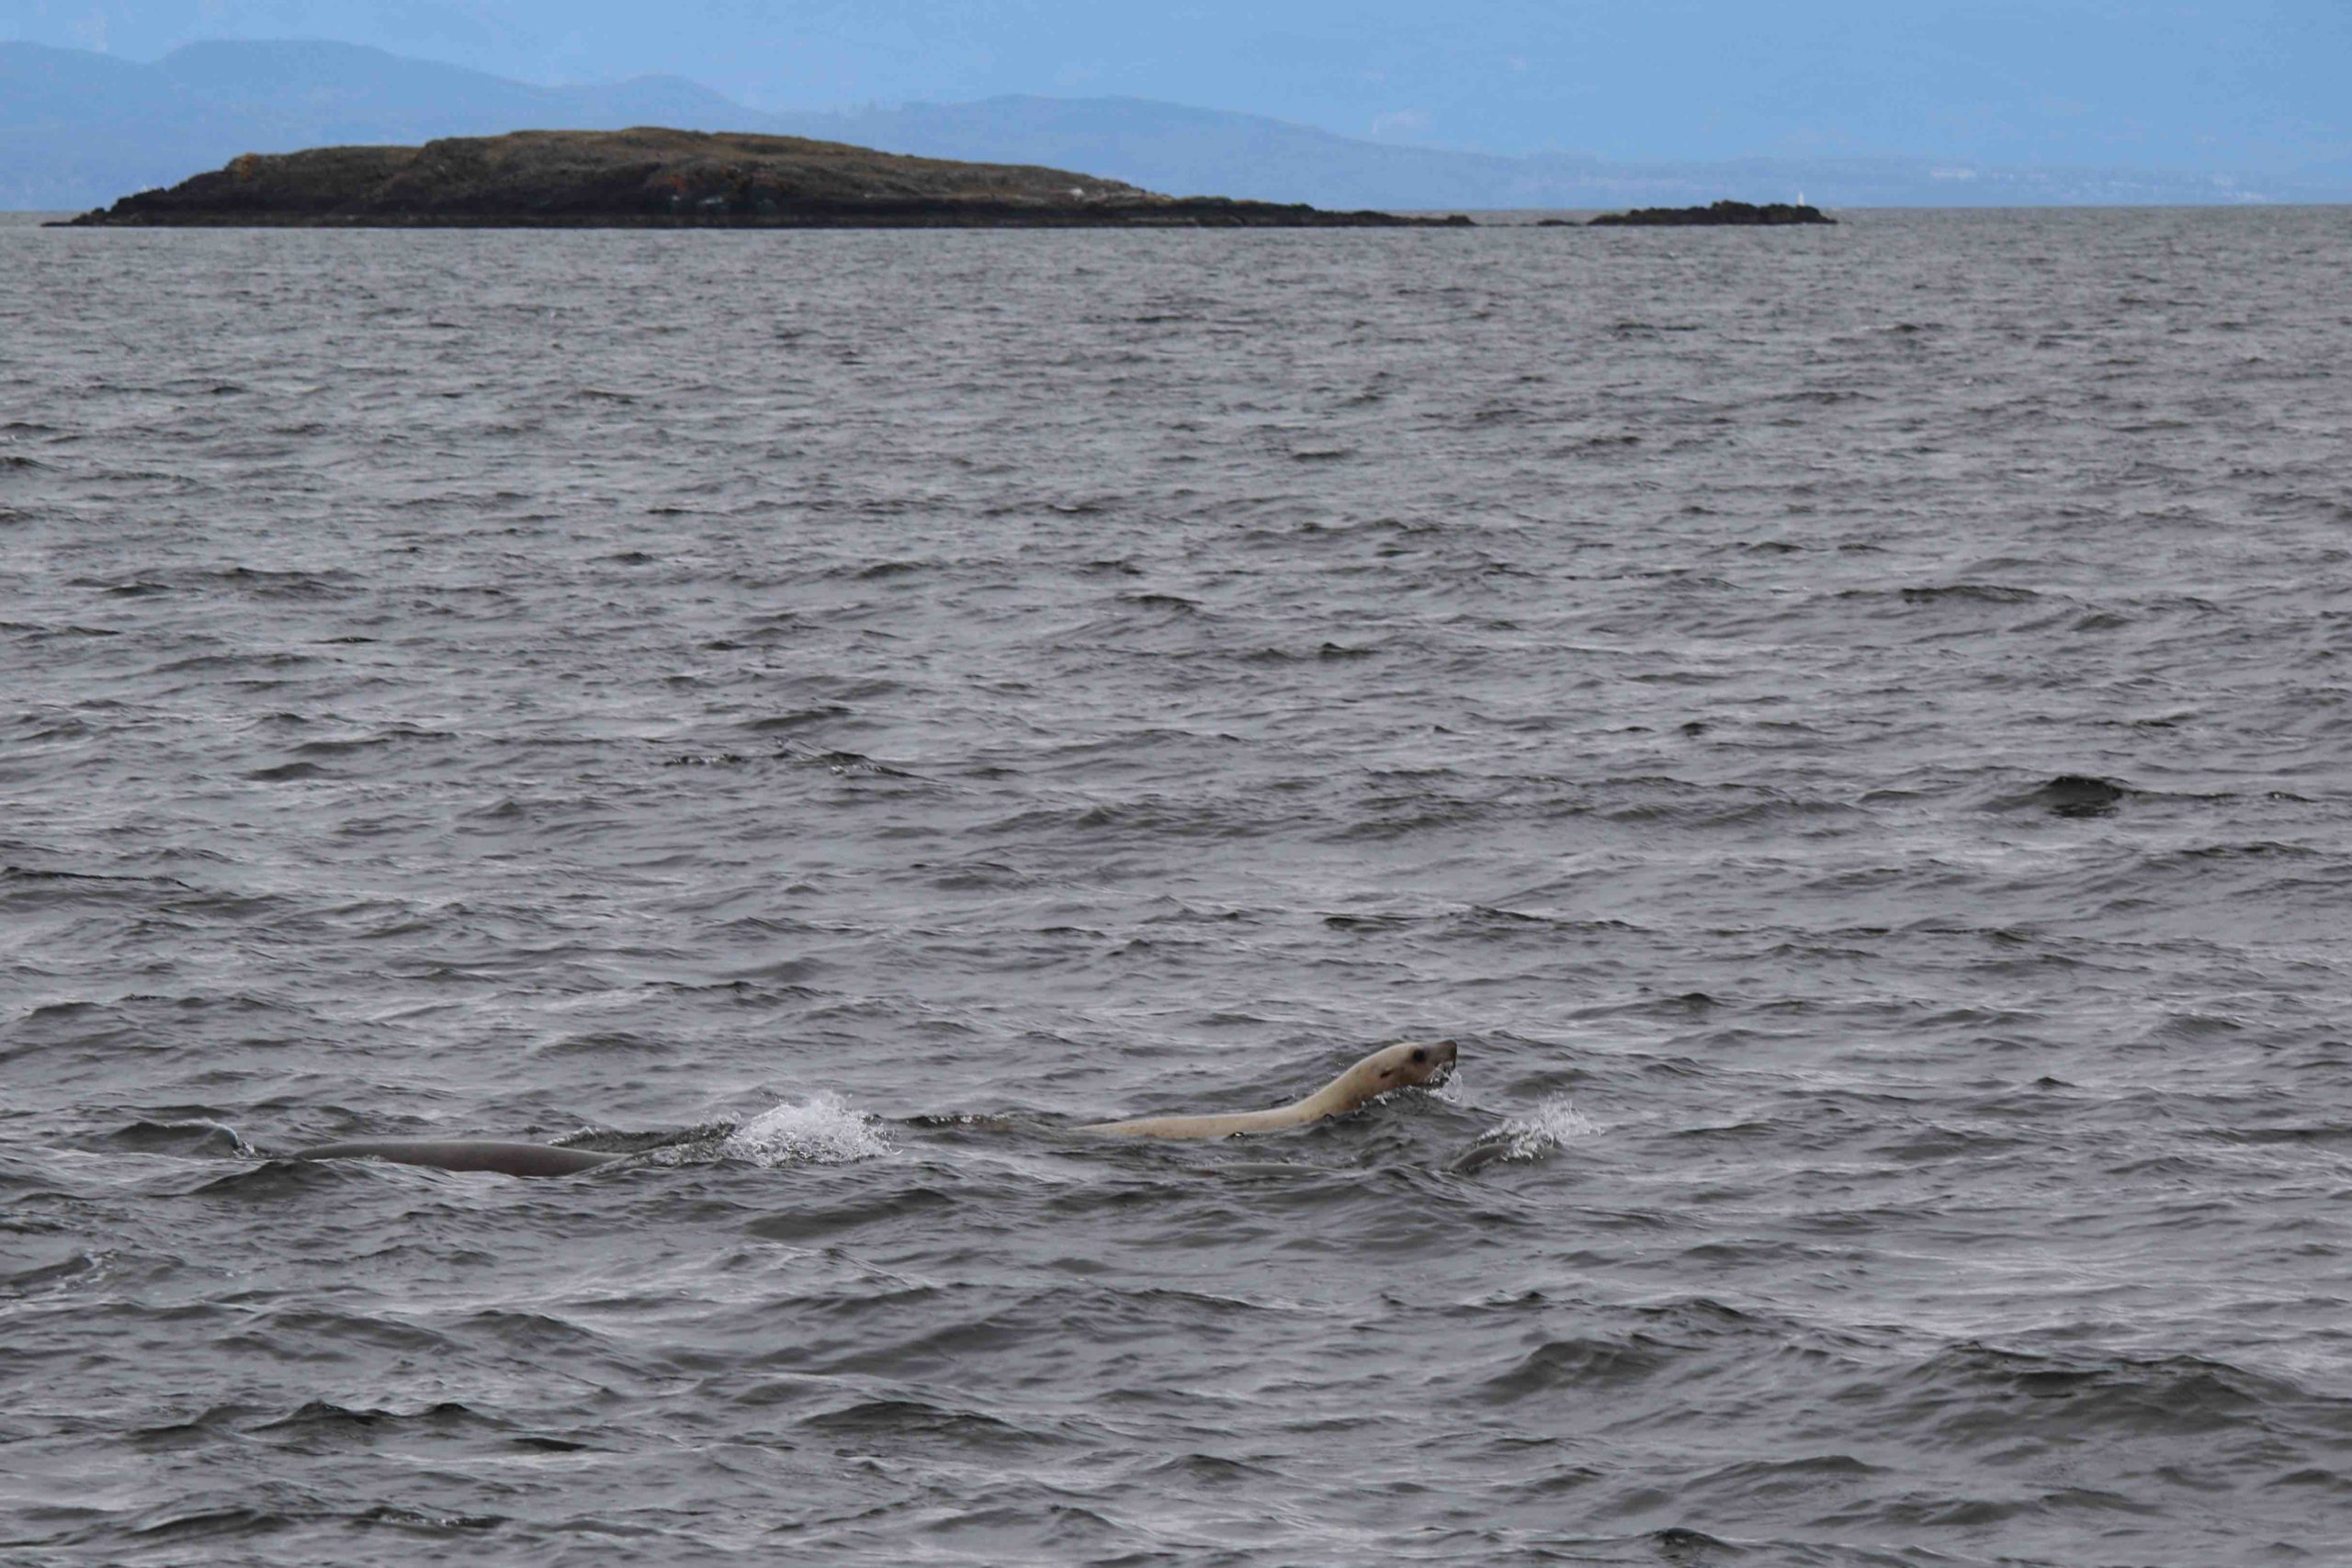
(466, 1154)
(1393, 1066)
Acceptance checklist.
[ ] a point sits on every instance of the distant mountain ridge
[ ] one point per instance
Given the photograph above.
(79, 129)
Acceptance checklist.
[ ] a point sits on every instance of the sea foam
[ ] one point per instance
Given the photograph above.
(820, 1130)
(1554, 1123)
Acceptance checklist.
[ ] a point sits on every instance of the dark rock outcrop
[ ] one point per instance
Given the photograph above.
(1732, 212)
(657, 178)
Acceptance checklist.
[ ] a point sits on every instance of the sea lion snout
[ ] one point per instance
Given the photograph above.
(1431, 1061)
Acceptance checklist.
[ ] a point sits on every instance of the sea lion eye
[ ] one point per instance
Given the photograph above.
(1419, 1054)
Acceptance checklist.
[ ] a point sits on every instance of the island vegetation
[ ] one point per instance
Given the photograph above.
(653, 177)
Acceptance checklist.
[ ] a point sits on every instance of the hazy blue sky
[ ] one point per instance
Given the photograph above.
(2258, 85)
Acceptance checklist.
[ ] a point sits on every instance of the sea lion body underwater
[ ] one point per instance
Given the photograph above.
(1391, 1068)
(466, 1154)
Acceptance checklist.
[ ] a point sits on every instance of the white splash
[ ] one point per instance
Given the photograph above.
(1552, 1124)
(821, 1130)
(237, 1145)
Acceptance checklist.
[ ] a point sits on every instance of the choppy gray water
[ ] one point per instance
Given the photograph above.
(1847, 728)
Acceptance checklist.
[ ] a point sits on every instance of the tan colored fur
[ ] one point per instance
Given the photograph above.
(1391, 1067)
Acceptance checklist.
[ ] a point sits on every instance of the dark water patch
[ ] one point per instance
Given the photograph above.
(211, 1524)
(1581, 1364)
(899, 1424)
(2259, 849)
(2258, 1136)
(2017, 1401)
(1212, 1471)
(2068, 794)
(530, 1334)
(840, 761)
(80, 1272)
(394, 735)
(282, 659)
(800, 718)
(276, 1178)
(265, 583)
(36, 881)
(306, 1335)
(813, 1222)
(68, 629)
(194, 1135)
(423, 1522)
(199, 1431)
(1954, 594)
(1932, 1143)
(324, 1422)
(122, 588)
(1678, 1544)
(1782, 1481)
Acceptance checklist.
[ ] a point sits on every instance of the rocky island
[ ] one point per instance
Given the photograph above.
(649, 177)
(1732, 212)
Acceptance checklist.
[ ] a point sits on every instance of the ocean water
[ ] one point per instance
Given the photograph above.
(1848, 730)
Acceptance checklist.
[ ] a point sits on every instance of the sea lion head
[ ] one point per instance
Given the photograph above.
(1413, 1062)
